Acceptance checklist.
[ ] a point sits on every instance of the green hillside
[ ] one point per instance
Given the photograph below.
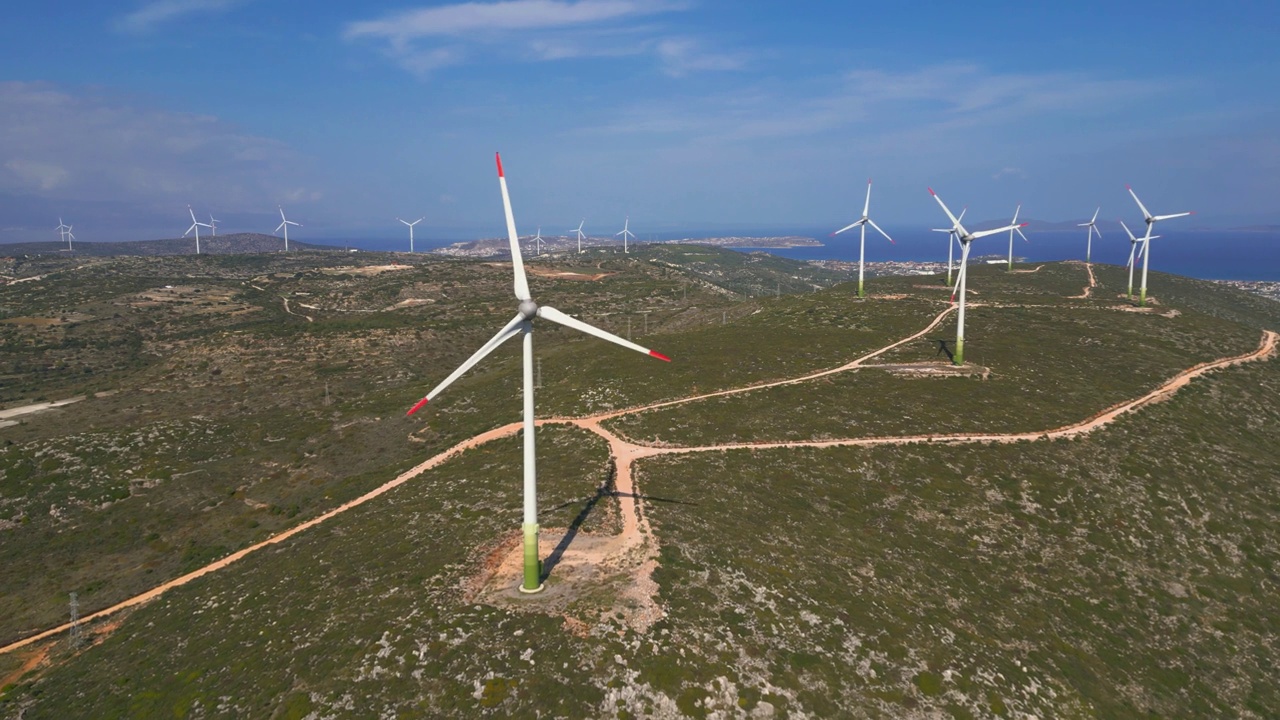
(1126, 573)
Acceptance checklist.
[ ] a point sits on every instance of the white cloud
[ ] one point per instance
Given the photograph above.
(156, 13)
(59, 145)
(681, 56)
(488, 18)
(37, 175)
(426, 39)
(1009, 172)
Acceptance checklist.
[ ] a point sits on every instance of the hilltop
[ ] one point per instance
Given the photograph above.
(829, 519)
(232, 243)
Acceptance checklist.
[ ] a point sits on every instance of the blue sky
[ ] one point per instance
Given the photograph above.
(685, 114)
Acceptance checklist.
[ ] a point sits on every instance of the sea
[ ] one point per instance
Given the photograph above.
(1204, 254)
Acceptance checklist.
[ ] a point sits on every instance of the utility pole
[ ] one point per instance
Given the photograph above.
(75, 635)
(646, 322)
(539, 382)
(628, 327)
(723, 315)
(326, 394)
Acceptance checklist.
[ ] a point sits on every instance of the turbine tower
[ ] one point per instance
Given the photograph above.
(625, 232)
(580, 234)
(64, 230)
(951, 244)
(410, 224)
(1016, 229)
(1135, 244)
(1088, 249)
(213, 223)
(195, 225)
(537, 241)
(862, 245)
(522, 324)
(1146, 249)
(285, 223)
(966, 238)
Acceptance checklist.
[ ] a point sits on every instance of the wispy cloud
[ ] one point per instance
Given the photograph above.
(63, 145)
(153, 14)
(938, 97)
(426, 39)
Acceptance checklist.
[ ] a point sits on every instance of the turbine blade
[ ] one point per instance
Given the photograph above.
(1169, 217)
(847, 227)
(1024, 237)
(1141, 207)
(866, 207)
(954, 220)
(517, 262)
(984, 233)
(1127, 231)
(877, 227)
(1095, 215)
(278, 227)
(1015, 214)
(506, 333)
(556, 316)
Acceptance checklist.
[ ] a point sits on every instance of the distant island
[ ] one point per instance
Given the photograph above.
(490, 247)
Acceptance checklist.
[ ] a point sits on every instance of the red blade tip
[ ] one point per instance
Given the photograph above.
(499, 157)
(931, 192)
(417, 407)
(660, 356)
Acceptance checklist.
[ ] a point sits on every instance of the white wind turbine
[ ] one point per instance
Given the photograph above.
(195, 225)
(951, 244)
(580, 234)
(522, 324)
(1146, 249)
(537, 241)
(1136, 244)
(64, 230)
(1016, 228)
(1088, 249)
(966, 238)
(213, 224)
(410, 224)
(284, 224)
(862, 223)
(624, 233)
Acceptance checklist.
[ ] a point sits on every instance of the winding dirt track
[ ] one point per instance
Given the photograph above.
(626, 453)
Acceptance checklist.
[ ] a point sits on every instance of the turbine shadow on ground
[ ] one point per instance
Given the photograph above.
(604, 490)
(607, 489)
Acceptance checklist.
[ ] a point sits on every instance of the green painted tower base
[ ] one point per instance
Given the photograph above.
(958, 357)
(532, 565)
(1142, 298)
(861, 294)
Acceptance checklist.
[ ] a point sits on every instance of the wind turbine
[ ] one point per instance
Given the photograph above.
(625, 232)
(537, 241)
(951, 243)
(1146, 249)
(1016, 228)
(580, 234)
(862, 245)
(966, 238)
(195, 225)
(1088, 249)
(64, 230)
(285, 225)
(214, 225)
(522, 324)
(1134, 243)
(410, 224)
